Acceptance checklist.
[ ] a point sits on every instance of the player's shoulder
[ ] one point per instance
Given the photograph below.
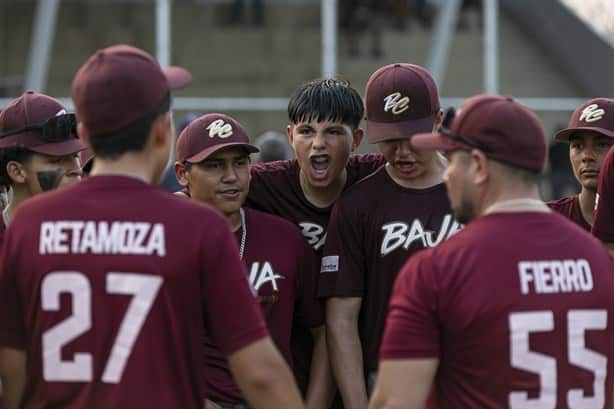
(563, 202)
(273, 224)
(366, 160)
(275, 169)
(366, 188)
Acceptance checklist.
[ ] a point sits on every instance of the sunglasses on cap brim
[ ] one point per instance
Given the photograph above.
(56, 129)
(444, 129)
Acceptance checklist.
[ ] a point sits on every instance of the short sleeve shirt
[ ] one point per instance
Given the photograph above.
(570, 208)
(282, 271)
(517, 307)
(275, 188)
(603, 226)
(376, 226)
(106, 285)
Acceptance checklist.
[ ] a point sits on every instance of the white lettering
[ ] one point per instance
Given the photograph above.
(259, 276)
(555, 276)
(81, 237)
(397, 234)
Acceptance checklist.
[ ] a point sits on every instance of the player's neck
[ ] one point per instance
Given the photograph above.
(234, 219)
(323, 197)
(129, 164)
(514, 199)
(431, 177)
(587, 204)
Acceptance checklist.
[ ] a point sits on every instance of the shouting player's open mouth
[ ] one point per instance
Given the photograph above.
(319, 166)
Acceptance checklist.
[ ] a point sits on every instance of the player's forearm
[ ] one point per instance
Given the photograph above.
(345, 354)
(13, 376)
(320, 390)
(264, 378)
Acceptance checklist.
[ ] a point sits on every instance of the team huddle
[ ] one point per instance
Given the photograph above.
(429, 275)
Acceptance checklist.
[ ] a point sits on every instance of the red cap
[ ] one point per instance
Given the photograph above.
(401, 100)
(208, 134)
(119, 85)
(85, 156)
(32, 109)
(596, 115)
(510, 131)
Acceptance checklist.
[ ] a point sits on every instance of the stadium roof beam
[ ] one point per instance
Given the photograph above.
(444, 29)
(163, 32)
(491, 46)
(328, 10)
(41, 43)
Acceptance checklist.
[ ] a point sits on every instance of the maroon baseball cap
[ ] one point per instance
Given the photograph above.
(35, 109)
(595, 115)
(502, 128)
(401, 100)
(208, 134)
(121, 84)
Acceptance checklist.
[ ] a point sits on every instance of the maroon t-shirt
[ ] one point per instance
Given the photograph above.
(282, 270)
(603, 226)
(376, 225)
(106, 285)
(518, 309)
(570, 208)
(275, 188)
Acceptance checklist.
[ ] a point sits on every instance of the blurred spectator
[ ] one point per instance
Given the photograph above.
(4, 197)
(169, 180)
(273, 146)
(257, 12)
(358, 16)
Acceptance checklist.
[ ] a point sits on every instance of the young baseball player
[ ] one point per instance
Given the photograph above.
(513, 311)
(38, 149)
(213, 163)
(381, 221)
(324, 117)
(110, 286)
(590, 134)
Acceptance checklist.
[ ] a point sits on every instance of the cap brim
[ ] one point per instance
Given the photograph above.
(202, 155)
(435, 141)
(564, 134)
(59, 148)
(387, 131)
(177, 77)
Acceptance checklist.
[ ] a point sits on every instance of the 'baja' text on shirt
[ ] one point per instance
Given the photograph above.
(399, 234)
(555, 276)
(101, 237)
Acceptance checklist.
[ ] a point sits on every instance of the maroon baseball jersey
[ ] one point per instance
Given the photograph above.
(106, 285)
(570, 208)
(517, 308)
(282, 270)
(603, 226)
(376, 225)
(275, 188)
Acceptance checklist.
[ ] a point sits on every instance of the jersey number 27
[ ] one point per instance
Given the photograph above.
(143, 289)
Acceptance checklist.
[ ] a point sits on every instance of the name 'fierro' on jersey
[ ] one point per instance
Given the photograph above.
(101, 237)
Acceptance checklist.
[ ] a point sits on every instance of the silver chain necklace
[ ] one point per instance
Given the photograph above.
(243, 233)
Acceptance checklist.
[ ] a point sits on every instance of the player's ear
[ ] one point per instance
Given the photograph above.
(479, 166)
(181, 173)
(16, 171)
(357, 136)
(160, 132)
(438, 119)
(290, 133)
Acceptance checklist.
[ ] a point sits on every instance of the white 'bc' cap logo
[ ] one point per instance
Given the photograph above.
(592, 113)
(220, 129)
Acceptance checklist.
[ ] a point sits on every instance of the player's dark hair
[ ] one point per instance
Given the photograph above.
(326, 100)
(19, 154)
(131, 138)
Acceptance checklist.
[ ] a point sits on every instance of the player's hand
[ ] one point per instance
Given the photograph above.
(211, 405)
